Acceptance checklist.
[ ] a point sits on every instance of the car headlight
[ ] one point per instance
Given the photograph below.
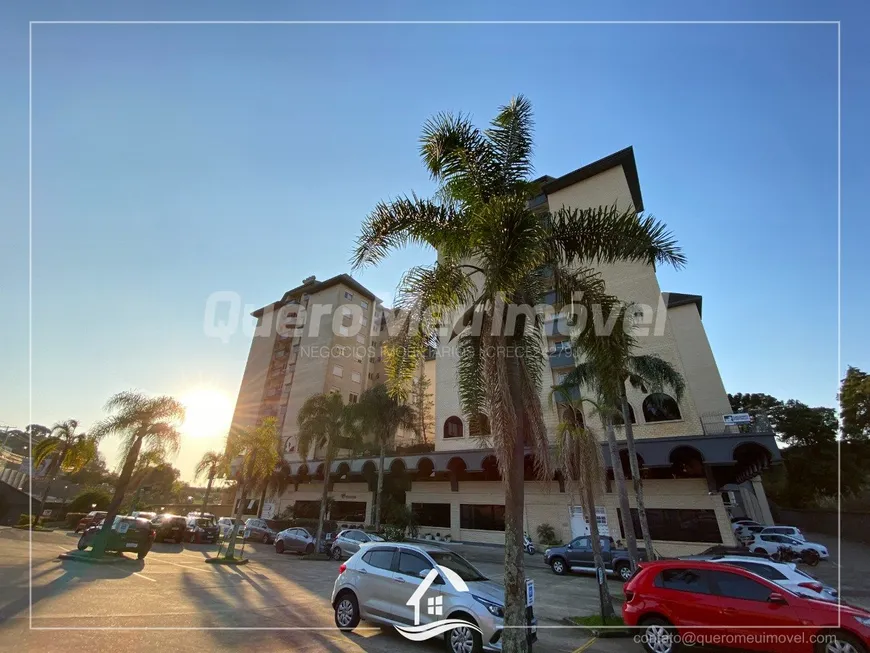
(864, 621)
(494, 608)
(547, 552)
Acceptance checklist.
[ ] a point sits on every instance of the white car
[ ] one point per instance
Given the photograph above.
(225, 524)
(789, 531)
(785, 574)
(770, 545)
(737, 525)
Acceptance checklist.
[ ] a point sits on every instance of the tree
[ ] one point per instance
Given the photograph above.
(421, 401)
(94, 473)
(141, 421)
(67, 450)
(580, 463)
(209, 466)
(275, 483)
(381, 416)
(855, 404)
(798, 424)
(753, 403)
(326, 425)
(90, 499)
(612, 363)
(495, 250)
(254, 452)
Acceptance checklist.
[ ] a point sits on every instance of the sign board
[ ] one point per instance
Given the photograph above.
(46, 512)
(268, 510)
(530, 592)
(123, 526)
(737, 418)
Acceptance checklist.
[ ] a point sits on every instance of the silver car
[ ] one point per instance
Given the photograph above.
(349, 541)
(297, 540)
(259, 531)
(391, 583)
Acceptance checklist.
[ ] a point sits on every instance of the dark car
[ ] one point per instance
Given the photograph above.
(90, 519)
(127, 534)
(169, 527)
(697, 601)
(577, 556)
(200, 530)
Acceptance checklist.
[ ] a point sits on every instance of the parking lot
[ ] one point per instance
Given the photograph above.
(172, 600)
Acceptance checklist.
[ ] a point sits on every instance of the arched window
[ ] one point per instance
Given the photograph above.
(659, 407)
(617, 417)
(453, 427)
(571, 416)
(290, 445)
(478, 425)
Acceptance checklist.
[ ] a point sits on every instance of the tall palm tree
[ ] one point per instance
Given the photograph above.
(579, 461)
(211, 463)
(381, 416)
(612, 359)
(495, 250)
(141, 421)
(275, 483)
(254, 452)
(326, 425)
(67, 449)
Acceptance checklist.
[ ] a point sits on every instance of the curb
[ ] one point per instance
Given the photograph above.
(227, 561)
(612, 632)
(84, 557)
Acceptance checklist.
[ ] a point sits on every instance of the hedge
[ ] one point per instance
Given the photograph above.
(73, 518)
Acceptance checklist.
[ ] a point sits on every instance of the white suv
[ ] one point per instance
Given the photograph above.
(789, 531)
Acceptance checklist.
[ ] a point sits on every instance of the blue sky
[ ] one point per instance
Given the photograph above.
(170, 162)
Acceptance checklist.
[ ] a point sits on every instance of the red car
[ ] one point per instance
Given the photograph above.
(697, 602)
(90, 519)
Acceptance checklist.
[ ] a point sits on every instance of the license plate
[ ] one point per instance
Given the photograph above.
(132, 545)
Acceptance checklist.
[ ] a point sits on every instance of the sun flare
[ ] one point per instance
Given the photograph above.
(208, 413)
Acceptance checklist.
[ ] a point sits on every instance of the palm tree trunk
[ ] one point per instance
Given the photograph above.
(636, 480)
(207, 492)
(53, 470)
(624, 508)
(262, 499)
(324, 498)
(604, 599)
(514, 636)
(240, 511)
(99, 546)
(377, 516)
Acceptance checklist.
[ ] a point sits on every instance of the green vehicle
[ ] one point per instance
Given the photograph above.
(127, 534)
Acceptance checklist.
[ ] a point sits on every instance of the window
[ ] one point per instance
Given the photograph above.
(363, 321)
(617, 416)
(306, 509)
(348, 295)
(338, 370)
(735, 586)
(352, 398)
(679, 525)
(342, 331)
(432, 514)
(348, 511)
(481, 517)
(479, 425)
(765, 571)
(581, 543)
(659, 407)
(334, 389)
(411, 564)
(380, 558)
(355, 377)
(453, 427)
(364, 304)
(347, 320)
(684, 580)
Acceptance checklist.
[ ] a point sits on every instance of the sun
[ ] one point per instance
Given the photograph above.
(208, 413)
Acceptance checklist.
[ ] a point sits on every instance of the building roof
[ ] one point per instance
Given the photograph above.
(316, 286)
(624, 158)
(674, 299)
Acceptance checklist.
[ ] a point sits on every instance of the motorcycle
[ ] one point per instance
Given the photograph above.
(528, 546)
(787, 554)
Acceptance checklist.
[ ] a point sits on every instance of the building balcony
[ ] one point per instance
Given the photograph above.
(561, 356)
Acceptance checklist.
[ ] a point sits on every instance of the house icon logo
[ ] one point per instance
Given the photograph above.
(434, 606)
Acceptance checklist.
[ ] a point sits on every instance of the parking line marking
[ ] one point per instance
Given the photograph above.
(136, 573)
(586, 645)
(166, 562)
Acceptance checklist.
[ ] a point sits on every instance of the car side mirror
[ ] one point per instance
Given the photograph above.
(569, 546)
(423, 573)
(776, 597)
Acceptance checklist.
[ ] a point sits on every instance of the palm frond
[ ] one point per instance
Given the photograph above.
(656, 374)
(607, 235)
(45, 449)
(511, 137)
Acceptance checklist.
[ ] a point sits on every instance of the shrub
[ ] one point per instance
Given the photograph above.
(400, 515)
(546, 534)
(25, 520)
(73, 518)
(393, 534)
(86, 498)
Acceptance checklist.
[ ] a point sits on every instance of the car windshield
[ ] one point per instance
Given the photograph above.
(375, 538)
(464, 569)
(203, 522)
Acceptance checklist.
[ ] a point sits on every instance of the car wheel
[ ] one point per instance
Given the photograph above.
(760, 551)
(840, 642)
(279, 546)
(623, 570)
(463, 639)
(336, 553)
(659, 636)
(346, 612)
(309, 549)
(82, 545)
(559, 566)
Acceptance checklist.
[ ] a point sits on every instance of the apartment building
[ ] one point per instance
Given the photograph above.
(688, 454)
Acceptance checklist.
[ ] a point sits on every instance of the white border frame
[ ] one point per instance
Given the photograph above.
(417, 22)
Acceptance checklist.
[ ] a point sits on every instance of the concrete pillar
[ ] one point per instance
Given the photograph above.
(763, 505)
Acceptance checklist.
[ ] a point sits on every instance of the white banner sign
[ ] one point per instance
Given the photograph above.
(737, 418)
